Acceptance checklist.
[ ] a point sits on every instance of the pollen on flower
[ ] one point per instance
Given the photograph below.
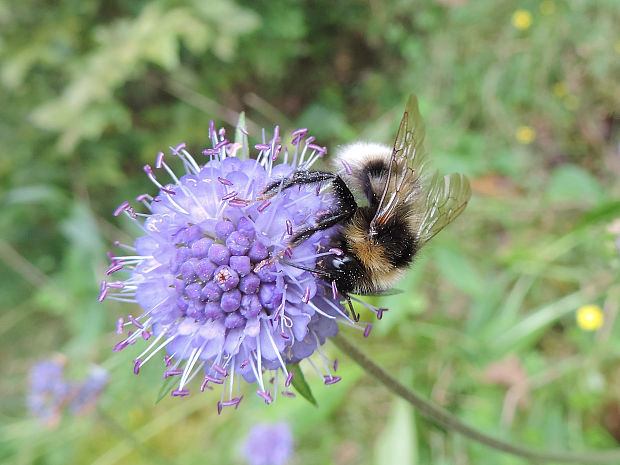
(217, 302)
(590, 317)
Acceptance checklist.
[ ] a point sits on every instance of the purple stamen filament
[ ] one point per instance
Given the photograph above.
(179, 147)
(119, 325)
(332, 380)
(220, 370)
(238, 203)
(213, 379)
(263, 205)
(121, 208)
(180, 393)
(159, 160)
(135, 322)
(266, 395)
(347, 167)
(224, 181)
(230, 195)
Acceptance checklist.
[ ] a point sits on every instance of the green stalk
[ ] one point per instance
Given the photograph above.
(444, 418)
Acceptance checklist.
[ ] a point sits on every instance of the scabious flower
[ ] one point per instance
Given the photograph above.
(214, 273)
(50, 392)
(268, 444)
(85, 395)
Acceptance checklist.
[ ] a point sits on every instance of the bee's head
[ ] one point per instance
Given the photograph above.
(345, 270)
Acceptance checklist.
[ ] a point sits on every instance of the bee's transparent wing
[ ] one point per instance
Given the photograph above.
(406, 164)
(446, 198)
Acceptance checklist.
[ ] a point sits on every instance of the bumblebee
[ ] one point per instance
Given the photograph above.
(404, 208)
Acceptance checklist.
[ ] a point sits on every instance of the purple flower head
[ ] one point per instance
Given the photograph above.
(268, 444)
(212, 269)
(48, 391)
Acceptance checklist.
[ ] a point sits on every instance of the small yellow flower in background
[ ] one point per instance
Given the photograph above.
(525, 134)
(547, 7)
(559, 89)
(617, 47)
(590, 317)
(522, 19)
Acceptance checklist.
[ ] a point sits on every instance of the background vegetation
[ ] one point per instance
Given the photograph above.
(523, 96)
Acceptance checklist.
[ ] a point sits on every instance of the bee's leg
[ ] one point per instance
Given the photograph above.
(328, 277)
(297, 178)
(356, 316)
(324, 223)
(347, 206)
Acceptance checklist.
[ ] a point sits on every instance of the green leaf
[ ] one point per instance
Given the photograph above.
(397, 442)
(605, 212)
(166, 387)
(458, 269)
(573, 184)
(240, 137)
(300, 384)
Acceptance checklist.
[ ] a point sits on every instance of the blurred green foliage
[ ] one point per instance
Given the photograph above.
(90, 91)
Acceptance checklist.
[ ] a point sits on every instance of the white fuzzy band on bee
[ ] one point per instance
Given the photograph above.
(357, 157)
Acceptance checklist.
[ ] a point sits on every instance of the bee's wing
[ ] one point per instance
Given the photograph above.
(406, 164)
(446, 198)
(440, 202)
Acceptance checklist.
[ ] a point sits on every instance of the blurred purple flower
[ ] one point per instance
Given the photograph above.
(86, 394)
(268, 444)
(49, 392)
(207, 271)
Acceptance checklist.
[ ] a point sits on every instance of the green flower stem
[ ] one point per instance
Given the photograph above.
(444, 418)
